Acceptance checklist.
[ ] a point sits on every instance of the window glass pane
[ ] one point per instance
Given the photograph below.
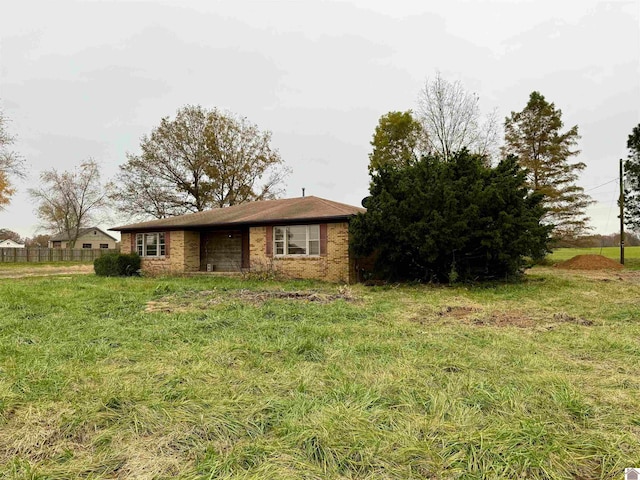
(151, 244)
(314, 232)
(278, 239)
(86, 245)
(314, 247)
(104, 245)
(139, 243)
(161, 243)
(297, 240)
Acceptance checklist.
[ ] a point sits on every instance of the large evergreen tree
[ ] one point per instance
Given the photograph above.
(446, 221)
(632, 174)
(535, 136)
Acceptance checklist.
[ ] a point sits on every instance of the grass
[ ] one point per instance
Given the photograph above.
(631, 254)
(36, 265)
(222, 378)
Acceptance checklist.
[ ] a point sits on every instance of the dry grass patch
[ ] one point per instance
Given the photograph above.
(37, 270)
(206, 299)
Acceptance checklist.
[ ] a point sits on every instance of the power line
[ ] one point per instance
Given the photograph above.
(603, 184)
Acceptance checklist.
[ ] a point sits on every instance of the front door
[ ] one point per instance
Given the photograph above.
(221, 251)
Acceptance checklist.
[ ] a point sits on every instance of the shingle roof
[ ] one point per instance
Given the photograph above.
(302, 209)
(63, 237)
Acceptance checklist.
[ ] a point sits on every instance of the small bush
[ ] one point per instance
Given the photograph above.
(117, 265)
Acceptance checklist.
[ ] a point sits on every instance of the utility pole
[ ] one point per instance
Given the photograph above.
(621, 202)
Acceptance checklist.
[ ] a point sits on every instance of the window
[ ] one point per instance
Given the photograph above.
(104, 245)
(150, 244)
(86, 245)
(297, 240)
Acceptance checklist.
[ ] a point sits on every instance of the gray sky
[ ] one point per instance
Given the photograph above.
(82, 79)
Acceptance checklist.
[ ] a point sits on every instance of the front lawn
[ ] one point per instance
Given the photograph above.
(229, 378)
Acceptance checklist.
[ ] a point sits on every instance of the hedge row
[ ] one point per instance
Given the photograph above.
(117, 265)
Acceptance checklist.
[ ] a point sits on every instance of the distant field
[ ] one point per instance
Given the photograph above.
(193, 378)
(631, 254)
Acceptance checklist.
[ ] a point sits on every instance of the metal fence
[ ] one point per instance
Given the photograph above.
(15, 255)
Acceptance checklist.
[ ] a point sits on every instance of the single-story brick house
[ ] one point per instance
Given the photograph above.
(305, 237)
(88, 238)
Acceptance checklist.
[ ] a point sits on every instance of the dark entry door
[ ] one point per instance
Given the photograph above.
(221, 251)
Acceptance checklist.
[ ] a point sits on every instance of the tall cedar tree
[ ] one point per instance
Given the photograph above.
(534, 136)
(201, 159)
(447, 221)
(632, 174)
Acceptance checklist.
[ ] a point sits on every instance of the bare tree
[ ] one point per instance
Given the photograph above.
(451, 120)
(11, 164)
(6, 234)
(199, 160)
(69, 201)
(38, 241)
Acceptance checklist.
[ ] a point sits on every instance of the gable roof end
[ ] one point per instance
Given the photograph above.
(63, 237)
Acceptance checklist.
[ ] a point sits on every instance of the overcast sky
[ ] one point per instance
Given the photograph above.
(82, 79)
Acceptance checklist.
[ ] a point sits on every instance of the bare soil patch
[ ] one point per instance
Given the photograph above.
(458, 311)
(477, 317)
(207, 298)
(590, 262)
(505, 319)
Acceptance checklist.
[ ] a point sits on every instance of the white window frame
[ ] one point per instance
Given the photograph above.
(308, 239)
(141, 244)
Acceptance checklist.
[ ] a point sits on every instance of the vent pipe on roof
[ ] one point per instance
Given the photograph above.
(303, 191)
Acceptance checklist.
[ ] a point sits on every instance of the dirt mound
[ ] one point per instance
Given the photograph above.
(590, 262)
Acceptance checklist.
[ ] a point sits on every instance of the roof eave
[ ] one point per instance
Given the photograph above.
(288, 221)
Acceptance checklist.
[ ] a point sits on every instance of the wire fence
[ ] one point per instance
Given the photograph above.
(35, 255)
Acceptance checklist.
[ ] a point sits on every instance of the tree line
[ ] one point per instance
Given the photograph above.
(199, 160)
(207, 158)
(447, 205)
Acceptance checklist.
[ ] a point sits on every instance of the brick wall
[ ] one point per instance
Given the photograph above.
(184, 255)
(126, 242)
(191, 248)
(334, 266)
(183, 248)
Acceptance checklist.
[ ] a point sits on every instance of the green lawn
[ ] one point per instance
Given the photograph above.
(631, 254)
(230, 378)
